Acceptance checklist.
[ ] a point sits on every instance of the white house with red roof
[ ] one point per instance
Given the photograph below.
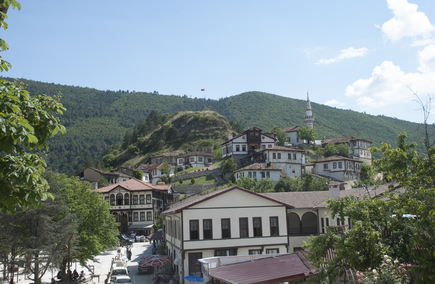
(359, 148)
(135, 203)
(259, 171)
(337, 168)
(154, 171)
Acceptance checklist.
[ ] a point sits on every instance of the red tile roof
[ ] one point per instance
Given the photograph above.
(346, 139)
(291, 129)
(134, 185)
(275, 269)
(198, 198)
(283, 148)
(336, 158)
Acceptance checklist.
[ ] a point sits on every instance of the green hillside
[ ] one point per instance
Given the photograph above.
(96, 120)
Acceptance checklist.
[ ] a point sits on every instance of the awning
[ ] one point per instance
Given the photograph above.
(156, 236)
(274, 269)
(140, 227)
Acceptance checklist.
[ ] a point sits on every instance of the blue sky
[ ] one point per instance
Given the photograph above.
(361, 55)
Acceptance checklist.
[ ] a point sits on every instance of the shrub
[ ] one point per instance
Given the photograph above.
(192, 180)
(181, 181)
(179, 169)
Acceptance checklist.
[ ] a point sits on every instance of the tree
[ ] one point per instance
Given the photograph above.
(39, 234)
(166, 170)
(192, 180)
(97, 229)
(255, 185)
(306, 133)
(281, 135)
(229, 166)
(26, 125)
(4, 6)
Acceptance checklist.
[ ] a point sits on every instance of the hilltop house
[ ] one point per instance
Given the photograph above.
(337, 168)
(153, 171)
(259, 171)
(292, 136)
(237, 222)
(359, 148)
(244, 144)
(291, 161)
(176, 159)
(135, 203)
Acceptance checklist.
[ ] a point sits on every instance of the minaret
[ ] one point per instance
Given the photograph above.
(309, 117)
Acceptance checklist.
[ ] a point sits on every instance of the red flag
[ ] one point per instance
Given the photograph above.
(202, 90)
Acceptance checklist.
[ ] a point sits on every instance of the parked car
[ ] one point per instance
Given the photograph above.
(118, 272)
(122, 279)
(145, 269)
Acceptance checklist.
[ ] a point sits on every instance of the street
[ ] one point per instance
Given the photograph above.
(139, 250)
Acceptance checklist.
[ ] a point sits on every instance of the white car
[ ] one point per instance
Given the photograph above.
(122, 279)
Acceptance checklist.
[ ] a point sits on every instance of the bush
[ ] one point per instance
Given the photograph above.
(187, 167)
(181, 181)
(192, 180)
(179, 169)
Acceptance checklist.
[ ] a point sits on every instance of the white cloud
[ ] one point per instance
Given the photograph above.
(334, 103)
(389, 85)
(406, 22)
(345, 54)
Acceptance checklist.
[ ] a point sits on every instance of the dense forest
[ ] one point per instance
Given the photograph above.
(97, 120)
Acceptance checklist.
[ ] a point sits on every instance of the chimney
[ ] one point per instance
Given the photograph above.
(334, 190)
(230, 136)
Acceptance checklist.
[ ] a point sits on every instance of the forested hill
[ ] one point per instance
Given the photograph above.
(98, 119)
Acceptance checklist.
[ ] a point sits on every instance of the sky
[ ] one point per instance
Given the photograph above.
(372, 56)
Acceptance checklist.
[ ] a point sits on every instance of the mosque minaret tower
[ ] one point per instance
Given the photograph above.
(309, 117)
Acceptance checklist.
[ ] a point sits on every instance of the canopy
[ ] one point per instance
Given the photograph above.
(156, 236)
(155, 260)
(194, 278)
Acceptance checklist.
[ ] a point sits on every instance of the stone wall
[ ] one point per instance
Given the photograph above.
(196, 174)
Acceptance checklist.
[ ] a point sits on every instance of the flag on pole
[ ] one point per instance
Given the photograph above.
(202, 90)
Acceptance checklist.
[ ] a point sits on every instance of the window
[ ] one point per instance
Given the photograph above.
(268, 174)
(263, 174)
(325, 166)
(225, 252)
(106, 198)
(135, 217)
(250, 174)
(254, 251)
(254, 174)
(207, 229)
(226, 231)
(322, 221)
(192, 159)
(273, 155)
(194, 230)
(243, 223)
(134, 199)
(272, 251)
(258, 232)
(279, 155)
(112, 199)
(141, 199)
(142, 216)
(244, 148)
(119, 199)
(237, 148)
(129, 217)
(149, 216)
(209, 160)
(199, 159)
(289, 156)
(294, 156)
(274, 226)
(340, 165)
(334, 165)
(194, 265)
(148, 199)
(126, 199)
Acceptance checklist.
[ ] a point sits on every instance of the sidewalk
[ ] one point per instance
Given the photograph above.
(101, 264)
